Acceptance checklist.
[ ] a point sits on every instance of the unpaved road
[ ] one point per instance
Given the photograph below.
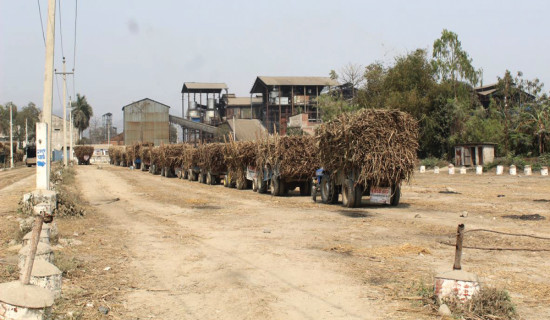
(207, 252)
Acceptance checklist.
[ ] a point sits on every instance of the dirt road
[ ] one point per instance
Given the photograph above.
(207, 252)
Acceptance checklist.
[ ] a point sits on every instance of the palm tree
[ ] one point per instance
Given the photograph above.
(82, 112)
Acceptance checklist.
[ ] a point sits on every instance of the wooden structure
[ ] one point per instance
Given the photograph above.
(283, 97)
(473, 154)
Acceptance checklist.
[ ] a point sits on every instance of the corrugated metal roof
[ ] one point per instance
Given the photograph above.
(242, 101)
(135, 102)
(292, 81)
(197, 86)
(298, 81)
(487, 92)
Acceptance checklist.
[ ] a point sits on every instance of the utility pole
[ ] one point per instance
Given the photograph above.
(64, 73)
(71, 129)
(43, 172)
(11, 135)
(26, 133)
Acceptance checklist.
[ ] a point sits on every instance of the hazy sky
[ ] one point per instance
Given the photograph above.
(128, 50)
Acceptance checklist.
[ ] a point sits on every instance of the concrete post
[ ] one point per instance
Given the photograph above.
(42, 157)
(48, 95)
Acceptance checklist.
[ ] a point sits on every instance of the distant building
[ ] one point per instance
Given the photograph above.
(493, 91)
(241, 107)
(146, 120)
(473, 154)
(283, 97)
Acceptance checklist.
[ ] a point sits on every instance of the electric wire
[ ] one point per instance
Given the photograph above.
(61, 28)
(41, 22)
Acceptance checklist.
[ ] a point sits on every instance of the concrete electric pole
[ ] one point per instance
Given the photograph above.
(11, 135)
(43, 143)
(64, 73)
(71, 129)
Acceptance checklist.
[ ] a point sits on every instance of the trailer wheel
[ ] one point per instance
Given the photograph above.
(241, 183)
(274, 187)
(395, 195)
(329, 193)
(351, 194)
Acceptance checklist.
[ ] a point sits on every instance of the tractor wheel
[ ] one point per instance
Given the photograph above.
(329, 194)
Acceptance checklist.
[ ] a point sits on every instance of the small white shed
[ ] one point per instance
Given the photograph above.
(472, 154)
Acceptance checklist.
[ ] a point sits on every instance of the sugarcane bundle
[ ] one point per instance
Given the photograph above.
(210, 157)
(380, 145)
(189, 157)
(169, 154)
(145, 153)
(288, 156)
(124, 156)
(84, 154)
(155, 153)
(238, 155)
(130, 155)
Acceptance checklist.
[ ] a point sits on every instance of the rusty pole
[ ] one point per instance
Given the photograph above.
(29, 262)
(458, 252)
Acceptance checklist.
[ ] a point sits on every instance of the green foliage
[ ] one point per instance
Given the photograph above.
(451, 62)
(332, 106)
(439, 93)
(82, 113)
(431, 162)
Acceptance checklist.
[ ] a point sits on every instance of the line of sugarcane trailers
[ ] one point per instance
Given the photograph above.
(268, 179)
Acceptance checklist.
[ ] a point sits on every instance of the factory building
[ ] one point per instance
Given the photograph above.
(146, 120)
(283, 97)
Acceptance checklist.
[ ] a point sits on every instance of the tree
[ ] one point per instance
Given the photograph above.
(29, 114)
(451, 62)
(82, 112)
(352, 74)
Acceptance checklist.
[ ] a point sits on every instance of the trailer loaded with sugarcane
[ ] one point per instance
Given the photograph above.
(366, 153)
(240, 157)
(284, 163)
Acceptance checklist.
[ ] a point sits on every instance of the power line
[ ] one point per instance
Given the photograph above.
(74, 48)
(41, 23)
(60, 27)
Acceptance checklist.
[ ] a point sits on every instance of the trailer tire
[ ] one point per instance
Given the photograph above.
(275, 186)
(209, 179)
(351, 194)
(396, 195)
(241, 183)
